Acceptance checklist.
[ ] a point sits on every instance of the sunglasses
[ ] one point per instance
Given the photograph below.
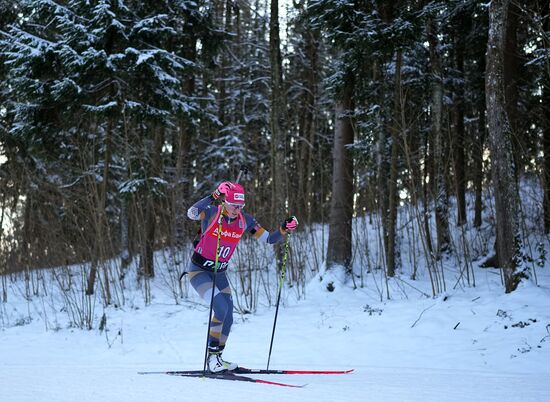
(236, 206)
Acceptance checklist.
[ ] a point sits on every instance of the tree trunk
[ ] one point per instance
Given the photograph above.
(508, 240)
(426, 190)
(479, 145)
(383, 177)
(309, 128)
(511, 63)
(391, 241)
(441, 196)
(383, 155)
(546, 145)
(341, 207)
(478, 167)
(3, 263)
(546, 125)
(147, 260)
(222, 78)
(278, 143)
(183, 175)
(101, 220)
(125, 242)
(125, 256)
(458, 126)
(104, 240)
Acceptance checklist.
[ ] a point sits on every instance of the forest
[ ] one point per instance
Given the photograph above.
(423, 119)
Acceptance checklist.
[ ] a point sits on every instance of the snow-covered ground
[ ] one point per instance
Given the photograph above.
(470, 344)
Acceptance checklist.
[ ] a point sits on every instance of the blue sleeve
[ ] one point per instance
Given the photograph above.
(260, 233)
(275, 237)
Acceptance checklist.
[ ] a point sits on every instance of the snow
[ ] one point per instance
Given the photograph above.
(468, 344)
(460, 346)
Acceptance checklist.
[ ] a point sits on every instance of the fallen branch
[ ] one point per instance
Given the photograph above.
(412, 326)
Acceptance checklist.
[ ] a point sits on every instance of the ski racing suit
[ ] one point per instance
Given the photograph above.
(201, 267)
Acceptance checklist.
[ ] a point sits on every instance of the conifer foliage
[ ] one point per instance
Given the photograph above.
(96, 91)
(115, 115)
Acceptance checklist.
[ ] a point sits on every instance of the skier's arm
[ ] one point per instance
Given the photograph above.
(197, 211)
(256, 230)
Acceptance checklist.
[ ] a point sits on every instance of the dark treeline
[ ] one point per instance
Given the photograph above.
(116, 115)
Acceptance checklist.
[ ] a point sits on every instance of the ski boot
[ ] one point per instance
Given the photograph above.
(215, 362)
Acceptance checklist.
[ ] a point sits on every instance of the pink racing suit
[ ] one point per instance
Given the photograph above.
(229, 238)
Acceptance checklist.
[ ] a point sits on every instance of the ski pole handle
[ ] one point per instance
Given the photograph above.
(243, 170)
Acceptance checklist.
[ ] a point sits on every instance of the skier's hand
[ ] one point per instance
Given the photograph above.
(290, 224)
(222, 189)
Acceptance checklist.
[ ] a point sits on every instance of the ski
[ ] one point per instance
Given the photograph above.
(244, 370)
(224, 376)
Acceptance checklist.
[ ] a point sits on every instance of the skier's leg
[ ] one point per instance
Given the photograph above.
(224, 304)
(222, 314)
(222, 308)
(202, 281)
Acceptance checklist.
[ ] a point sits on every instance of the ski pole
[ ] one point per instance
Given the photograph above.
(281, 281)
(242, 170)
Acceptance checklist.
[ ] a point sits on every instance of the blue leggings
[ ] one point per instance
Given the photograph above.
(222, 308)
